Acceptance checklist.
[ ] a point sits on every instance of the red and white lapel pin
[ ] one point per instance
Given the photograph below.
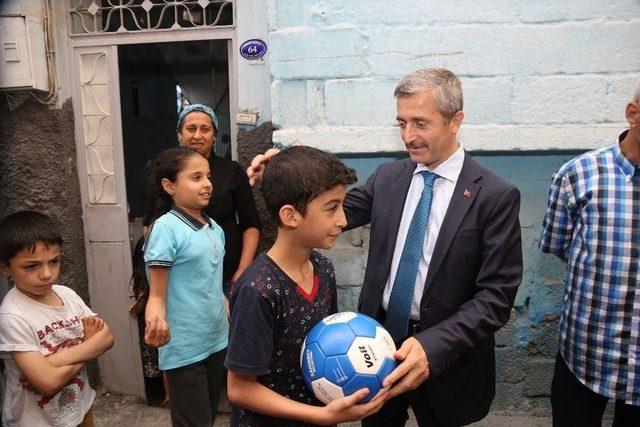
(467, 194)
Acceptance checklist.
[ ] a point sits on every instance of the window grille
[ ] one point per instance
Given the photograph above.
(126, 16)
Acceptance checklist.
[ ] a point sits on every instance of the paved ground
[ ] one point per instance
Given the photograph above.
(111, 410)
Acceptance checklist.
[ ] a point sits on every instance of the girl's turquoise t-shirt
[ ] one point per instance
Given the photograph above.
(197, 319)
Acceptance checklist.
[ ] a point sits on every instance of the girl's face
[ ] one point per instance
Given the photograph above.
(197, 132)
(192, 189)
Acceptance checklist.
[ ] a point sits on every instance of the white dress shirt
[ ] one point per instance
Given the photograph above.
(448, 172)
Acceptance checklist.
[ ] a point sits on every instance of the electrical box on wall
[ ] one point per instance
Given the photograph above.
(23, 55)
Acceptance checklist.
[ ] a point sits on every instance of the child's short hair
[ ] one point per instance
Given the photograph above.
(297, 175)
(23, 229)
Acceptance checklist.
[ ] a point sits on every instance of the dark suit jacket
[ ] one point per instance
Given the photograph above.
(471, 284)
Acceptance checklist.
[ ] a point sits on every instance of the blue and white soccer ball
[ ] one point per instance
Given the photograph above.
(346, 352)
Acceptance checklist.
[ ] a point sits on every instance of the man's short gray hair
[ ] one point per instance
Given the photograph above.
(636, 94)
(445, 86)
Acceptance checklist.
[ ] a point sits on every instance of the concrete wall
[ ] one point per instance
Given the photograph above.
(536, 75)
(38, 171)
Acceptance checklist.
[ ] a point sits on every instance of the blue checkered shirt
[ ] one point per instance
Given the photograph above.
(592, 221)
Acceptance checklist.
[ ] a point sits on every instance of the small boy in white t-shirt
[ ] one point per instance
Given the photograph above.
(47, 333)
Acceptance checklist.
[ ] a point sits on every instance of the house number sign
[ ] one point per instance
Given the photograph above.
(253, 49)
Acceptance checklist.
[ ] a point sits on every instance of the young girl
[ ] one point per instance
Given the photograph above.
(185, 315)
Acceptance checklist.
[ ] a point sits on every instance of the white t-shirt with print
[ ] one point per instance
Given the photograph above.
(27, 325)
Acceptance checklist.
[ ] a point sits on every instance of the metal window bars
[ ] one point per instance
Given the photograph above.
(93, 17)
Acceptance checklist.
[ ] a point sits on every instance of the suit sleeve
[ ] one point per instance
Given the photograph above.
(496, 285)
(358, 204)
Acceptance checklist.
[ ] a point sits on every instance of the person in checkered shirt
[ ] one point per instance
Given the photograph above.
(593, 223)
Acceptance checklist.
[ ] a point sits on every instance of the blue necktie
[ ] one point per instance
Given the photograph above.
(399, 308)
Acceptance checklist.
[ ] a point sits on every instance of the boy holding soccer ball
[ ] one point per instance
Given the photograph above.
(285, 292)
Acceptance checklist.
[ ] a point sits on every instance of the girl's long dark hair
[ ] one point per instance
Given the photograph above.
(167, 165)
(139, 281)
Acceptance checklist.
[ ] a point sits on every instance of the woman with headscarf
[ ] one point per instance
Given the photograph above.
(231, 205)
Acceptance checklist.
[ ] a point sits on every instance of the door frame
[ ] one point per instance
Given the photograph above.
(108, 250)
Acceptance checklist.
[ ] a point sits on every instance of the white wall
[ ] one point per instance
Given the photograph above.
(253, 79)
(536, 74)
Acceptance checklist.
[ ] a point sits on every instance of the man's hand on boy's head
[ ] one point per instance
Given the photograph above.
(156, 333)
(348, 409)
(91, 325)
(256, 168)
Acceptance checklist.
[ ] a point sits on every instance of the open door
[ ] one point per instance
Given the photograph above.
(106, 230)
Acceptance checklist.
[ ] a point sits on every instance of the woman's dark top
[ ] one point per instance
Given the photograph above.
(231, 195)
(231, 206)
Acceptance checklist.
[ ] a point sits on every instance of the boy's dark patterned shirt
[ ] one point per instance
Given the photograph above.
(270, 317)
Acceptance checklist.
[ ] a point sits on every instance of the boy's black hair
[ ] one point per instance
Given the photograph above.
(297, 175)
(23, 229)
(166, 165)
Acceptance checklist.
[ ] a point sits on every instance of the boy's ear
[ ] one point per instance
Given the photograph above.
(289, 216)
(4, 269)
(167, 186)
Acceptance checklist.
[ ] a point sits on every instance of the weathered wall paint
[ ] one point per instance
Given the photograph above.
(540, 75)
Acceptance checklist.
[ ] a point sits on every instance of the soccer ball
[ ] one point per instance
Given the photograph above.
(346, 352)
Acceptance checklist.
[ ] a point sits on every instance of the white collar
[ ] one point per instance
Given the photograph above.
(449, 169)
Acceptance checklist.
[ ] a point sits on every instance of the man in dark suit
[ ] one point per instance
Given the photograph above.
(445, 259)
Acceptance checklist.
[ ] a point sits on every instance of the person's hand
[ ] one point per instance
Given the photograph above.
(226, 308)
(347, 408)
(156, 333)
(256, 168)
(412, 371)
(235, 276)
(238, 273)
(91, 325)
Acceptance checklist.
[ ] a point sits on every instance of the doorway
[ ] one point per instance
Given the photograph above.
(156, 81)
(106, 184)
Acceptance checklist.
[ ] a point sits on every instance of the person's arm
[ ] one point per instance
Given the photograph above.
(247, 392)
(41, 374)
(557, 226)
(248, 220)
(358, 203)
(250, 238)
(160, 252)
(256, 168)
(428, 352)
(97, 340)
(157, 329)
